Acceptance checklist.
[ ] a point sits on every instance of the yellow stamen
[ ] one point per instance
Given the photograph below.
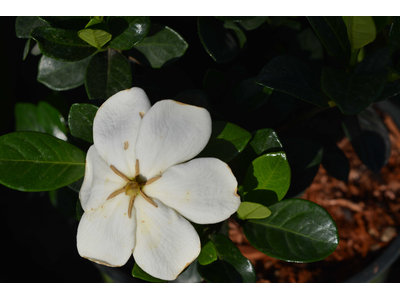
(151, 180)
(148, 199)
(137, 168)
(117, 192)
(119, 173)
(131, 206)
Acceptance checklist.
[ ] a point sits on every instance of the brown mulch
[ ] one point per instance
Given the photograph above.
(366, 212)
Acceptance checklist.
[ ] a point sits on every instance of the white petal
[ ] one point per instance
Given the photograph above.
(171, 133)
(99, 182)
(166, 243)
(116, 126)
(202, 190)
(106, 235)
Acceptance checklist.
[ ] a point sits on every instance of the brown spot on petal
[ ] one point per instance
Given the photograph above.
(126, 145)
(128, 89)
(141, 114)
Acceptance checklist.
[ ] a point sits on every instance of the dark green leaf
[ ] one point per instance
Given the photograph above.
(51, 120)
(161, 47)
(227, 140)
(235, 19)
(249, 95)
(79, 210)
(189, 275)
(27, 47)
(95, 37)
(361, 31)
(335, 162)
(61, 76)
(193, 97)
(380, 22)
(70, 23)
(241, 37)
(108, 72)
(80, 120)
(231, 265)
(138, 28)
(269, 173)
(219, 42)
(369, 137)
(76, 185)
(253, 23)
(34, 161)
(26, 117)
(332, 32)
(61, 44)
(297, 231)
(208, 253)
(24, 25)
(251, 210)
(139, 273)
(394, 41)
(352, 93)
(304, 157)
(392, 108)
(290, 75)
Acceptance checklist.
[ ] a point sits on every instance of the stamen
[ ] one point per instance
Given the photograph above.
(151, 180)
(137, 168)
(141, 114)
(148, 199)
(119, 173)
(131, 206)
(117, 192)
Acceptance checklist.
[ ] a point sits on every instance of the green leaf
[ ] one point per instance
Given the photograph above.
(269, 173)
(138, 28)
(380, 22)
(61, 44)
(161, 47)
(24, 25)
(241, 37)
(208, 253)
(304, 158)
(189, 275)
(290, 75)
(61, 76)
(69, 23)
(297, 231)
(361, 31)
(108, 72)
(251, 210)
(34, 161)
(218, 41)
(27, 47)
(332, 32)
(231, 265)
(51, 120)
(253, 23)
(79, 210)
(139, 273)
(336, 162)
(394, 41)
(369, 138)
(80, 120)
(352, 92)
(227, 140)
(26, 117)
(95, 37)
(249, 95)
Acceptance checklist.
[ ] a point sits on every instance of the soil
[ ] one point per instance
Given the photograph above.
(366, 212)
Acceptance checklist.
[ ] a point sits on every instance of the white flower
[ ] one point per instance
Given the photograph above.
(139, 191)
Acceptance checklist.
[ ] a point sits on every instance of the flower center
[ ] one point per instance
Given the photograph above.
(133, 187)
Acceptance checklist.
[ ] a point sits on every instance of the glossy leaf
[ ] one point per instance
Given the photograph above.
(290, 75)
(369, 137)
(61, 44)
(35, 161)
(95, 37)
(361, 31)
(231, 265)
(27, 47)
(26, 117)
(249, 95)
(208, 253)
(253, 23)
(69, 23)
(161, 47)
(352, 93)
(219, 42)
(304, 157)
(394, 41)
(251, 210)
(51, 120)
(269, 173)
(80, 120)
(332, 32)
(139, 273)
(61, 76)
(108, 72)
(336, 162)
(241, 37)
(24, 25)
(227, 140)
(138, 28)
(297, 231)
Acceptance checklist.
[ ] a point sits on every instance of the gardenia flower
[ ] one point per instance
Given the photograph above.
(140, 190)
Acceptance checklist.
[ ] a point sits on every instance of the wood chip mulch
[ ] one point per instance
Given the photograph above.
(366, 212)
